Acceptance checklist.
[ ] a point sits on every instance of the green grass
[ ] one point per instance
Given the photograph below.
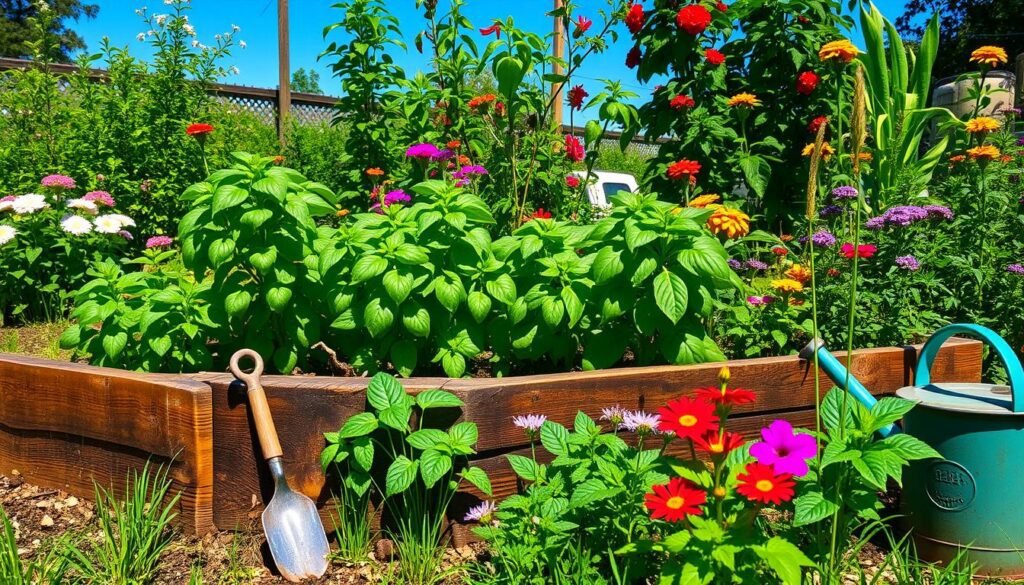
(46, 568)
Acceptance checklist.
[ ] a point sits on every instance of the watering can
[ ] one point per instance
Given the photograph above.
(962, 503)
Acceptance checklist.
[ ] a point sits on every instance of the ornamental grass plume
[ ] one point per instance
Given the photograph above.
(858, 120)
(816, 154)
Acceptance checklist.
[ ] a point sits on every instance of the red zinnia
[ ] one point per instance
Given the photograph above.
(731, 396)
(687, 417)
(806, 82)
(573, 149)
(863, 250)
(583, 24)
(675, 501)
(633, 57)
(816, 123)
(693, 18)
(635, 18)
(576, 97)
(198, 129)
(541, 214)
(714, 56)
(779, 251)
(499, 108)
(721, 6)
(718, 443)
(682, 101)
(572, 181)
(683, 169)
(760, 483)
(494, 29)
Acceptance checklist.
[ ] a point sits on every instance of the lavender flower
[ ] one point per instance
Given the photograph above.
(424, 151)
(126, 235)
(908, 263)
(614, 415)
(938, 212)
(904, 215)
(640, 422)
(823, 239)
(734, 264)
(831, 210)
(754, 264)
(875, 223)
(844, 192)
(159, 242)
(530, 423)
(482, 512)
(58, 182)
(1015, 269)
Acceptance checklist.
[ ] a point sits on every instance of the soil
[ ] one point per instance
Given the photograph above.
(41, 340)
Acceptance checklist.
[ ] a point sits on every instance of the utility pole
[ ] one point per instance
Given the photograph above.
(284, 94)
(559, 53)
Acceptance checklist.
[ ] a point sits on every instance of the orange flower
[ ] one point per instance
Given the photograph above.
(704, 200)
(983, 153)
(842, 50)
(374, 172)
(342, 212)
(956, 159)
(799, 273)
(982, 125)
(787, 285)
(464, 160)
(733, 222)
(454, 144)
(746, 100)
(786, 237)
(989, 55)
(482, 100)
(864, 156)
(826, 150)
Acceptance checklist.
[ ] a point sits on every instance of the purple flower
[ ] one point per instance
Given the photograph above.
(640, 422)
(126, 235)
(530, 423)
(823, 239)
(759, 301)
(734, 264)
(938, 212)
(159, 242)
(904, 215)
(396, 196)
(58, 182)
(830, 211)
(614, 415)
(424, 151)
(482, 512)
(1010, 111)
(1016, 269)
(754, 264)
(875, 223)
(908, 263)
(784, 450)
(100, 197)
(446, 154)
(844, 192)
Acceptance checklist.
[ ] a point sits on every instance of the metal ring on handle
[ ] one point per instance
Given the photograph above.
(931, 348)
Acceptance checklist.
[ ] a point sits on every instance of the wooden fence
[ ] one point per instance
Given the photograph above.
(66, 425)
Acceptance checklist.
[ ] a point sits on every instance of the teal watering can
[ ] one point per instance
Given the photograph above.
(962, 502)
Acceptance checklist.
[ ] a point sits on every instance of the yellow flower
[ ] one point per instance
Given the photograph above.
(342, 212)
(982, 124)
(704, 200)
(747, 100)
(787, 285)
(983, 153)
(989, 55)
(799, 273)
(826, 150)
(842, 50)
(733, 222)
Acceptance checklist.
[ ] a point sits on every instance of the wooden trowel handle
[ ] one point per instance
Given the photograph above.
(265, 429)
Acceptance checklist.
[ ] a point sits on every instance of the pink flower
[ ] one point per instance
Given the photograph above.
(58, 182)
(159, 242)
(784, 450)
(530, 423)
(494, 29)
(100, 197)
(572, 181)
(583, 24)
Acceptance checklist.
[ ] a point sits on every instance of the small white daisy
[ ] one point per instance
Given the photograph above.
(76, 225)
(107, 224)
(7, 234)
(30, 203)
(83, 204)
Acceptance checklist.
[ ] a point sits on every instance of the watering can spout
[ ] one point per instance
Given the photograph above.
(842, 377)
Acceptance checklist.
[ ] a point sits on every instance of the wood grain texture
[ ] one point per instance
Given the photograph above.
(66, 425)
(306, 407)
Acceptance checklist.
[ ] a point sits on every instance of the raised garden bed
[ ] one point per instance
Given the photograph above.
(64, 425)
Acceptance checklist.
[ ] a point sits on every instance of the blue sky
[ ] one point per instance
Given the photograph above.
(257, 63)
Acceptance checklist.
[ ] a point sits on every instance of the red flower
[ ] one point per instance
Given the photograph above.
(760, 483)
(683, 169)
(687, 417)
(572, 181)
(693, 18)
(714, 56)
(682, 101)
(863, 250)
(576, 97)
(803, 19)
(779, 251)
(198, 129)
(731, 396)
(499, 108)
(675, 501)
(633, 57)
(635, 18)
(833, 272)
(715, 442)
(816, 124)
(494, 29)
(573, 149)
(541, 214)
(583, 24)
(721, 6)
(806, 82)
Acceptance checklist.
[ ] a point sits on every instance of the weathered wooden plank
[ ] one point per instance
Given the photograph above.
(66, 425)
(304, 408)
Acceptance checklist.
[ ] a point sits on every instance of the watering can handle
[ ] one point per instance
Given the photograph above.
(923, 376)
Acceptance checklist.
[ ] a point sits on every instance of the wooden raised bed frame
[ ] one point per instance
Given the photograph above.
(65, 425)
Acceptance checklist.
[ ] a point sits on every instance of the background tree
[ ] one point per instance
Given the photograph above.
(306, 81)
(966, 25)
(16, 28)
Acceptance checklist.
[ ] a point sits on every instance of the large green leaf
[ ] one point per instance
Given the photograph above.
(400, 475)
(385, 391)
(671, 295)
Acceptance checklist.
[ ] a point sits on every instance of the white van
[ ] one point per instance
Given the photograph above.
(603, 184)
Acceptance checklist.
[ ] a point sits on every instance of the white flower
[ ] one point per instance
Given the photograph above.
(76, 225)
(217, 36)
(235, 28)
(7, 234)
(242, 44)
(195, 43)
(234, 70)
(160, 19)
(189, 29)
(43, 6)
(6, 205)
(29, 203)
(82, 204)
(168, 2)
(150, 33)
(124, 219)
(141, 36)
(107, 224)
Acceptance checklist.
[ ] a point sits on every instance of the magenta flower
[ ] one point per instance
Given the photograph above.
(396, 196)
(424, 151)
(783, 450)
(58, 182)
(530, 423)
(159, 242)
(100, 197)
(759, 301)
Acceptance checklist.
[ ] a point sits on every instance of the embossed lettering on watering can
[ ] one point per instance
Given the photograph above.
(958, 502)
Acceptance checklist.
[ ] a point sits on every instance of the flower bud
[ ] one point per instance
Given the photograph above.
(724, 375)
(719, 492)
